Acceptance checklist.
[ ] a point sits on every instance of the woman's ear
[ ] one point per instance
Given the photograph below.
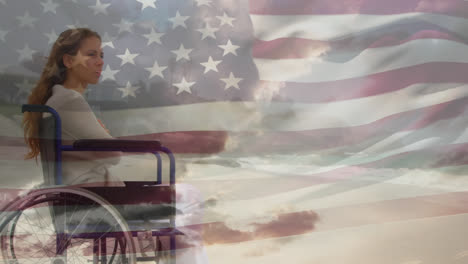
(67, 60)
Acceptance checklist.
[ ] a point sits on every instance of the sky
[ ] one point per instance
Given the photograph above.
(328, 132)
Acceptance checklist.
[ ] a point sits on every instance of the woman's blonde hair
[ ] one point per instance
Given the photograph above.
(55, 72)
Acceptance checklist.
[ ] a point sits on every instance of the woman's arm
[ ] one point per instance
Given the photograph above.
(79, 122)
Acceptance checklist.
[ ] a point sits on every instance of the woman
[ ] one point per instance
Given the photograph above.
(76, 60)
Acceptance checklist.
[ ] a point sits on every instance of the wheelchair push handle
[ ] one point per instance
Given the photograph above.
(37, 108)
(45, 109)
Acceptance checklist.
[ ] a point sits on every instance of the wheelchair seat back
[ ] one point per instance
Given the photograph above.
(47, 145)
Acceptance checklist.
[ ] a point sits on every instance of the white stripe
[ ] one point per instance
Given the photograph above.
(333, 27)
(439, 134)
(399, 241)
(254, 116)
(383, 185)
(408, 184)
(9, 127)
(368, 62)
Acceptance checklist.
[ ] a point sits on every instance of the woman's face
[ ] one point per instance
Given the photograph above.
(86, 66)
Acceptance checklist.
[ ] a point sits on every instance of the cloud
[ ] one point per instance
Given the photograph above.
(220, 233)
(287, 225)
(282, 225)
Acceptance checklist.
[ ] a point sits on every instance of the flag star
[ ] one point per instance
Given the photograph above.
(129, 90)
(203, 2)
(207, 31)
(50, 6)
(127, 57)
(229, 48)
(24, 87)
(153, 37)
(106, 41)
(231, 81)
(182, 53)
(124, 25)
(52, 36)
(156, 70)
(25, 53)
(225, 19)
(147, 3)
(210, 65)
(80, 58)
(27, 20)
(3, 34)
(77, 25)
(108, 73)
(99, 7)
(178, 20)
(184, 86)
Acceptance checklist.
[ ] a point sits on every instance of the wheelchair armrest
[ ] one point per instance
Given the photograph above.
(124, 145)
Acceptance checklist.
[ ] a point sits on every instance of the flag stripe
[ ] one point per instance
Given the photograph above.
(434, 118)
(296, 48)
(378, 212)
(424, 122)
(287, 187)
(334, 27)
(251, 116)
(368, 62)
(396, 210)
(347, 113)
(377, 7)
(370, 85)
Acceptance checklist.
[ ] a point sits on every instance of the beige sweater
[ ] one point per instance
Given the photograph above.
(79, 122)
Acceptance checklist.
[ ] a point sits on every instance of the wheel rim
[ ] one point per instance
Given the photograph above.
(88, 230)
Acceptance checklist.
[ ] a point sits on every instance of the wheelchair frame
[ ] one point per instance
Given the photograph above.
(57, 198)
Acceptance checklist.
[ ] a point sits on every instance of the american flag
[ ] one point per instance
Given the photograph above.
(316, 131)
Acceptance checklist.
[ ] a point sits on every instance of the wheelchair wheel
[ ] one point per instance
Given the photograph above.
(64, 225)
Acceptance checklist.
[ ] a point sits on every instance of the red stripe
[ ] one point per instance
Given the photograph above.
(203, 142)
(424, 159)
(373, 7)
(393, 40)
(322, 139)
(288, 48)
(298, 223)
(303, 222)
(209, 142)
(296, 48)
(397, 210)
(428, 159)
(375, 84)
(206, 142)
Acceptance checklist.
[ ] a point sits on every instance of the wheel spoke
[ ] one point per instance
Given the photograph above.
(27, 219)
(31, 235)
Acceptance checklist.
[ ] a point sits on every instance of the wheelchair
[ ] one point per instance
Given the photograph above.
(96, 224)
